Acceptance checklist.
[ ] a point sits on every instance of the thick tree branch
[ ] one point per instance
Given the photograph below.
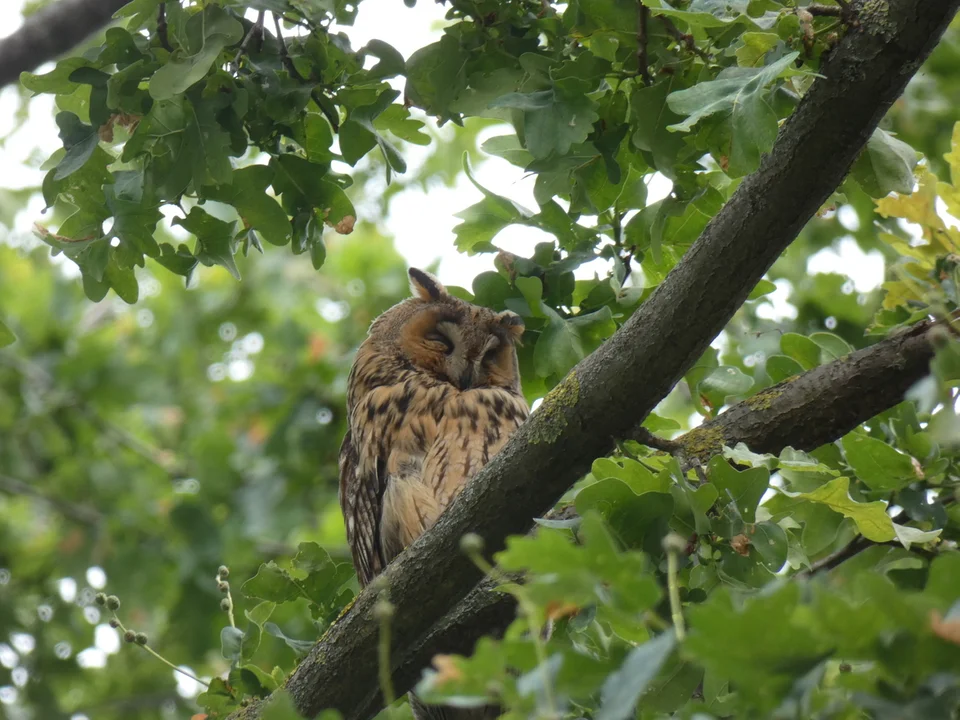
(819, 406)
(51, 32)
(617, 386)
(814, 408)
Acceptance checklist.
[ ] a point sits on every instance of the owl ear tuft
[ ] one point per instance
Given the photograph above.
(512, 322)
(425, 286)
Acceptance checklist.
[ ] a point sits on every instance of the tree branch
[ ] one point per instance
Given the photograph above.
(613, 389)
(80, 513)
(807, 411)
(51, 32)
(821, 405)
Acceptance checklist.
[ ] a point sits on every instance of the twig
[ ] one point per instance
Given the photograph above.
(682, 38)
(80, 513)
(255, 29)
(284, 55)
(327, 108)
(162, 27)
(642, 61)
(645, 437)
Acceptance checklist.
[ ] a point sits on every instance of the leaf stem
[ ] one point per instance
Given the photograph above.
(676, 612)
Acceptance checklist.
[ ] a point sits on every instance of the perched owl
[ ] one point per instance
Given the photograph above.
(433, 394)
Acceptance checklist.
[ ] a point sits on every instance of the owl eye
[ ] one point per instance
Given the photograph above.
(490, 355)
(440, 338)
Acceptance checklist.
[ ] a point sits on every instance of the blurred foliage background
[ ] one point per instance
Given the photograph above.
(144, 445)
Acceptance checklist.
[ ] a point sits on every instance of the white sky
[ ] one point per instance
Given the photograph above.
(421, 223)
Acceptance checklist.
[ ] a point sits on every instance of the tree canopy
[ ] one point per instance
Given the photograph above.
(738, 494)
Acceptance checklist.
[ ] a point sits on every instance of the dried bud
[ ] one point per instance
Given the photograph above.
(383, 609)
(223, 572)
(114, 623)
(129, 636)
(845, 667)
(225, 604)
(141, 638)
(100, 599)
(674, 543)
(471, 544)
(223, 586)
(113, 602)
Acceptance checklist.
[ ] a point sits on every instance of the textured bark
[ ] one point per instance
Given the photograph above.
(821, 405)
(804, 412)
(613, 389)
(51, 32)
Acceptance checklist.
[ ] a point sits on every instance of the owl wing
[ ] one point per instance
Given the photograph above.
(362, 482)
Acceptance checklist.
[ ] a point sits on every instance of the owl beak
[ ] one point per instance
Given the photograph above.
(465, 381)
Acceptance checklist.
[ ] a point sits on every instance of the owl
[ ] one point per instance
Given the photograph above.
(433, 394)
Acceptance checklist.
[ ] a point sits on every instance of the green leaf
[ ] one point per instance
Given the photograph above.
(802, 349)
(871, 518)
(215, 239)
(781, 367)
(877, 464)
(231, 640)
(566, 341)
(6, 335)
(303, 185)
(764, 287)
(301, 647)
(743, 488)
(482, 221)
(208, 32)
(832, 347)
(639, 521)
(741, 93)
(553, 120)
(271, 583)
(755, 47)
(623, 688)
(722, 382)
(637, 477)
(885, 165)
(247, 193)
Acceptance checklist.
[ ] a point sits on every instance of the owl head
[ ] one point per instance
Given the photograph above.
(455, 341)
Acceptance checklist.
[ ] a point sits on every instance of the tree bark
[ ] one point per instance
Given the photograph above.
(51, 32)
(821, 405)
(613, 389)
(803, 412)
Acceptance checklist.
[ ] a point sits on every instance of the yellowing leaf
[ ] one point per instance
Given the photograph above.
(920, 207)
(897, 293)
(951, 193)
(871, 518)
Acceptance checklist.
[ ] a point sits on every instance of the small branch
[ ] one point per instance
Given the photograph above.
(51, 32)
(682, 39)
(284, 55)
(162, 27)
(80, 513)
(645, 437)
(327, 108)
(642, 61)
(255, 30)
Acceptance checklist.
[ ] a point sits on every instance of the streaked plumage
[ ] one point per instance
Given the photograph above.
(433, 394)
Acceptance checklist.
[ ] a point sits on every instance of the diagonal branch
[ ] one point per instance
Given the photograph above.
(609, 392)
(814, 408)
(51, 32)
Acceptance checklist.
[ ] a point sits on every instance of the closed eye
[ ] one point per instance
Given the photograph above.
(490, 355)
(440, 338)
